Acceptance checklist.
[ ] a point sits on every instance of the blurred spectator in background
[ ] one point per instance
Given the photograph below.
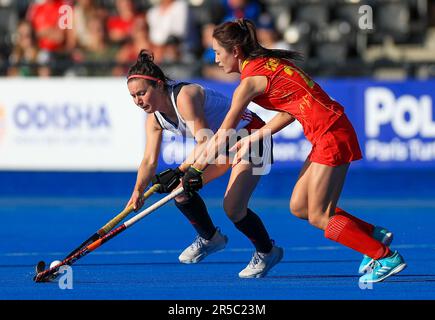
(207, 43)
(236, 9)
(172, 52)
(139, 40)
(431, 13)
(210, 69)
(99, 55)
(176, 64)
(51, 39)
(9, 20)
(268, 36)
(24, 54)
(121, 24)
(170, 18)
(83, 11)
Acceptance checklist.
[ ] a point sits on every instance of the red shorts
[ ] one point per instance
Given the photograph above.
(338, 145)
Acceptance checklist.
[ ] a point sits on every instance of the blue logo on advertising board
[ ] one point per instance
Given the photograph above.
(63, 117)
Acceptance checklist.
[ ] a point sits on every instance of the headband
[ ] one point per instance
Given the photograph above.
(140, 76)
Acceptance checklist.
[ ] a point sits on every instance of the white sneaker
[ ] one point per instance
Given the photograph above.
(261, 263)
(201, 248)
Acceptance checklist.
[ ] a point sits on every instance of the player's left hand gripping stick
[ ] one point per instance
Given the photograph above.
(45, 275)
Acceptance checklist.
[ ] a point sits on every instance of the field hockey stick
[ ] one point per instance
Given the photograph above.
(105, 229)
(44, 275)
(112, 223)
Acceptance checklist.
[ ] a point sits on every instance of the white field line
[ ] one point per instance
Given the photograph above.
(281, 202)
(231, 250)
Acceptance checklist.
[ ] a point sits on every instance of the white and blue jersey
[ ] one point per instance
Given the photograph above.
(216, 107)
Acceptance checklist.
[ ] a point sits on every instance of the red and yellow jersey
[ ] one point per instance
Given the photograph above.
(290, 90)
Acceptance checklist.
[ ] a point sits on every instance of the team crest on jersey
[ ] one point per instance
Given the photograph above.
(272, 64)
(245, 63)
(288, 70)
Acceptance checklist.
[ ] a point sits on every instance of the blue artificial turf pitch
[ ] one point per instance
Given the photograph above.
(142, 262)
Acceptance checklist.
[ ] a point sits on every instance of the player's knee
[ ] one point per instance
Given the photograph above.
(234, 210)
(318, 220)
(298, 210)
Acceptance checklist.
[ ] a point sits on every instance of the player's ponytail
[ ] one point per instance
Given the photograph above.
(145, 57)
(242, 33)
(146, 67)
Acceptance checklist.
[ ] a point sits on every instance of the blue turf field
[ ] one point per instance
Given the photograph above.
(44, 216)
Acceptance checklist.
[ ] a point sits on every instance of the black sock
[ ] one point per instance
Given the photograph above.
(252, 227)
(195, 211)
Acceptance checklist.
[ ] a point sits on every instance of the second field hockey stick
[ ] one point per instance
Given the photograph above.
(44, 275)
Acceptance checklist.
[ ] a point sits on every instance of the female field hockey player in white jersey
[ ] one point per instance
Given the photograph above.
(187, 110)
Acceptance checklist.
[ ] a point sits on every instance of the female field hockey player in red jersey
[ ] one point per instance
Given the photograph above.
(193, 111)
(270, 79)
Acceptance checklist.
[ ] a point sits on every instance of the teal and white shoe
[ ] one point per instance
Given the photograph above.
(381, 234)
(383, 268)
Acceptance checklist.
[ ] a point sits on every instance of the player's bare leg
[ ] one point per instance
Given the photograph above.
(241, 185)
(299, 198)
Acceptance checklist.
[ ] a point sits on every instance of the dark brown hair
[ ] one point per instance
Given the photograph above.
(145, 66)
(242, 33)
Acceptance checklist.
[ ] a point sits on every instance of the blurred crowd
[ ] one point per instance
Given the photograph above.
(103, 37)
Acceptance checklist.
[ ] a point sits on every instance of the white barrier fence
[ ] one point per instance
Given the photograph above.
(69, 124)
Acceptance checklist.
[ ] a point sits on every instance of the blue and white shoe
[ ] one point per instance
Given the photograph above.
(261, 263)
(383, 268)
(201, 248)
(381, 234)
